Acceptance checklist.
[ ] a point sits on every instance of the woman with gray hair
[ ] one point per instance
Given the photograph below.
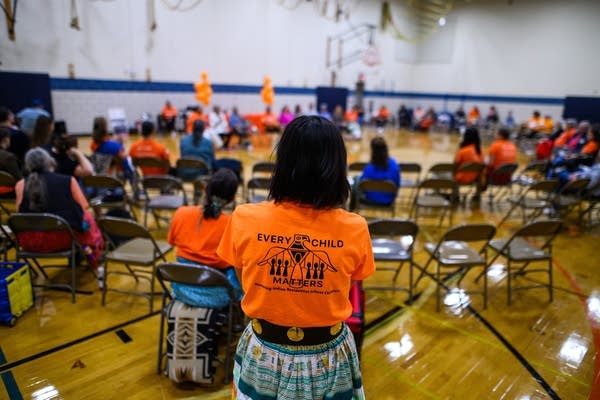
(44, 191)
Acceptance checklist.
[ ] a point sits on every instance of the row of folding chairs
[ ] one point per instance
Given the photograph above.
(461, 249)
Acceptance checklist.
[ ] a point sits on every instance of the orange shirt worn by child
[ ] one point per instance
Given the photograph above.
(152, 149)
(502, 152)
(467, 154)
(196, 237)
(169, 112)
(297, 262)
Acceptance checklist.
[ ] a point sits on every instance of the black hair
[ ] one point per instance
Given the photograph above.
(99, 130)
(41, 131)
(60, 127)
(4, 113)
(220, 191)
(147, 128)
(471, 137)
(379, 153)
(197, 132)
(504, 133)
(311, 164)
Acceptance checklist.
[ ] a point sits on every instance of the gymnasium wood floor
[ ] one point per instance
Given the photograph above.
(531, 350)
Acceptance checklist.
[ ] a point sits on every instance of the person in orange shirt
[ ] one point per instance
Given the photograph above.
(590, 148)
(501, 152)
(150, 148)
(297, 255)
(168, 115)
(196, 233)
(570, 131)
(469, 152)
(547, 125)
(382, 118)
(270, 121)
(534, 125)
(195, 114)
(473, 116)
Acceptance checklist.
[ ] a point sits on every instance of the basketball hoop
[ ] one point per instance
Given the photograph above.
(371, 56)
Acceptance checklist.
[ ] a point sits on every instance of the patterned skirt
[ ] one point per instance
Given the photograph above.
(268, 371)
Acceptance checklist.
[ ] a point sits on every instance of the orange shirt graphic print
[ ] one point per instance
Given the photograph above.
(297, 265)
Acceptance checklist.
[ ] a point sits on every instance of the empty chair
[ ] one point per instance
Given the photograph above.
(393, 241)
(592, 200)
(532, 173)
(410, 176)
(198, 355)
(520, 252)
(499, 182)
(23, 225)
(435, 194)
(139, 252)
(263, 169)
(106, 192)
(535, 199)
(441, 171)
(163, 193)
(455, 256)
(376, 186)
(257, 189)
(570, 196)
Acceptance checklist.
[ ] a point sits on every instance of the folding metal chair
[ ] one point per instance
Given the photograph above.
(454, 254)
(163, 193)
(198, 276)
(441, 171)
(410, 176)
(393, 242)
(500, 182)
(372, 185)
(536, 198)
(356, 168)
(532, 173)
(21, 223)
(108, 193)
(436, 194)
(591, 200)
(257, 189)
(263, 169)
(139, 250)
(7, 205)
(570, 196)
(519, 249)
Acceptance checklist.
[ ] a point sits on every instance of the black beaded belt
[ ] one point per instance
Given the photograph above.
(295, 336)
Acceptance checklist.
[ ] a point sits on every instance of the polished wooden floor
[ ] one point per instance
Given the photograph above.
(532, 349)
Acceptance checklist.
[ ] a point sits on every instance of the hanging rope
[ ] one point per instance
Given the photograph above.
(178, 5)
(152, 15)
(74, 17)
(10, 11)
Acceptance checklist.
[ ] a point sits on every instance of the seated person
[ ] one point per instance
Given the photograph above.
(338, 118)
(46, 191)
(196, 146)
(469, 152)
(219, 127)
(150, 148)
(502, 151)
(572, 135)
(109, 155)
(167, 117)
(351, 124)
(270, 121)
(403, 117)
(194, 113)
(547, 125)
(8, 163)
(239, 127)
(381, 167)
(533, 126)
(285, 117)
(42, 132)
(473, 116)
(196, 233)
(381, 118)
(578, 151)
(460, 118)
(324, 111)
(492, 117)
(417, 117)
(69, 159)
(428, 120)
(19, 140)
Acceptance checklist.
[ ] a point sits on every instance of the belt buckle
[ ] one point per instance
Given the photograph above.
(295, 334)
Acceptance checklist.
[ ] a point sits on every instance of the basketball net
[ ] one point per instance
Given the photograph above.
(371, 56)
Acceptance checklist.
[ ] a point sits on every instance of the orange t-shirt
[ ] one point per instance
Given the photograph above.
(590, 148)
(535, 124)
(503, 152)
(269, 120)
(152, 149)
(467, 154)
(296, 262)
(548, 126)
(564, 137)
(169, 112)
(351, 116)
(193, 117)
(473, 115)
(196, 237)
(384, 113)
